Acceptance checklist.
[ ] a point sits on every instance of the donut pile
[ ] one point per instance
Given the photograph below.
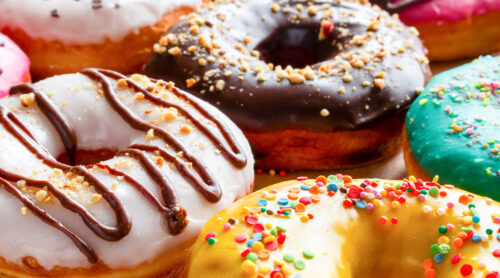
(133, 152)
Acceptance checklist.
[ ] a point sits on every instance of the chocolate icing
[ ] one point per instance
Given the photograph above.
(216, 51)
(398, 7)
(198, 175)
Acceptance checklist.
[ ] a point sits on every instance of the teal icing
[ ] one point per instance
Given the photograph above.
(454, 127)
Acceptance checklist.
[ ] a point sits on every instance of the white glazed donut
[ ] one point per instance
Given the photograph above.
(84, 21)
(65, 36)
(96, 110)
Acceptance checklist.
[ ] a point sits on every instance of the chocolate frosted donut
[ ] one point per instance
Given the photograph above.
(313, 84)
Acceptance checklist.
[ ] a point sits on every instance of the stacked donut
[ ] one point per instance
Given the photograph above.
(106, 172)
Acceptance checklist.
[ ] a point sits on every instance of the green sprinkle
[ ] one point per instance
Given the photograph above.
(465, 229)
(443, 230)
(281, 229)
(287, 213)
(423, 192)
(299, 264)
(489, 231)
(434, 249)
(288, 257)
(212, 240)
(433, 191)
(263, 209)
(274, 232)
(444, 249)
(308, 254)
(293, 204)
(252, 257)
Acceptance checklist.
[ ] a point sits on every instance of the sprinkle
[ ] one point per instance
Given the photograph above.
(439, 258)
(241, 238)
(466, 270)
(262, 202)
(212, 240)
(456, 258)
(249, 267)
(288, 258)
(324, 112)
(332, 187)
(308, 254)
(299, 264)
(210, 235)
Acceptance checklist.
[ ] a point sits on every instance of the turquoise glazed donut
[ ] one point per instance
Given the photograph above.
(453, 127)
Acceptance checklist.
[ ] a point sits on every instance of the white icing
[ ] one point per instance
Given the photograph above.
(97, 126)
(79, 23)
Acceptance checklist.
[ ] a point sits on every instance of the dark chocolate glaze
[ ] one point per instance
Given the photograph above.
(397, 7)
(175, 215)
(58, 120)
(257, 100)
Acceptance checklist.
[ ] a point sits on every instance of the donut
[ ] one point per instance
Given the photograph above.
(316, 85)
(450, 29)
(166, 162)
(14, 65)
(63, 36)
(338, 227)
(453, 128)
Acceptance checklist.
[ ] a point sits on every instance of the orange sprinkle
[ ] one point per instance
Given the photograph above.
(430, 273)
(427, 264)
(314, 189)
(321, 179)
(294, 190)
(300, 207)
(293, 196)
(457, 243)
(442, 193)
(315, 199)
(263, 255)
(463, 199)
(347, 179)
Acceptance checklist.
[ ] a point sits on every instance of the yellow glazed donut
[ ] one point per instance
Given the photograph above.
(338, 227)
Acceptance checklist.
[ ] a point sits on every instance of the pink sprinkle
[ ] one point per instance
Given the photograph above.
(306, 200)
(274, 191)
(209, 235)
(339, 176)
(450, 227)
(227, 226)
(320, 184)
(301, 178)
(369, 206)
(241, 238)
(496, 220)
(469, 131)
(450, 205)
(258, 228)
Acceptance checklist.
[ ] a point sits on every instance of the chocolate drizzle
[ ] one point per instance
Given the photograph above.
(398, 7)
(58, 120)
(197, 175)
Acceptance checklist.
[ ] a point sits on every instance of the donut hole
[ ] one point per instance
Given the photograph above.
(298, 46)
(87, 157)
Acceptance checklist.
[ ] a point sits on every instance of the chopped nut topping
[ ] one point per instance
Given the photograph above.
(27, 99)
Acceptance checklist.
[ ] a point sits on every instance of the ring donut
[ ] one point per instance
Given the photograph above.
(451, 31)
(313, 85)
(453, 128)
(66, 36)
(14, 65)
(165, 162)
(338, 227)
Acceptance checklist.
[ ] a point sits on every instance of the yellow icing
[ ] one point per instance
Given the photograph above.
(351, 242)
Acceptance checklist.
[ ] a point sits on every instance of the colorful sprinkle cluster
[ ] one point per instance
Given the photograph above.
(485, 91)
(265, 238)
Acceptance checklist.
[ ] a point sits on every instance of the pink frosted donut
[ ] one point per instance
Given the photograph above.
(445, 11)
(14, 65)
(451, 29)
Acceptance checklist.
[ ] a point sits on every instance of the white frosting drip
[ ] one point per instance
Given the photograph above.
(98, 126)
(79, 23)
